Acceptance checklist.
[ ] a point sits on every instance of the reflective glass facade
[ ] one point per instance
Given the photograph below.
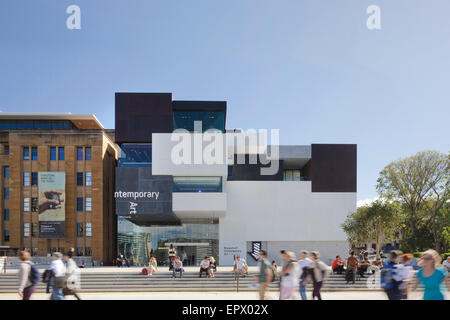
(35, 125)
(135, 155)
(209, 119)
(197, 184)
(192, 241)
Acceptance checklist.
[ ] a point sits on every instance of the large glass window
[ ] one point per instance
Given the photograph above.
(53, 153)
(88, 152)
(80, 153)
(197, 184)
(26, 153)
(79, 178)
(209, 120)
(6, 214)
(26, 229)
(6, 172)
(34, 178)
(88, 229)
(26, 179)
(26, 204)
(34, 153)
(88, 204)
(61, 153)
(34, 124)
(6, 236)
(88, 179)
(79, 229)
(79, 204)
(135, 155)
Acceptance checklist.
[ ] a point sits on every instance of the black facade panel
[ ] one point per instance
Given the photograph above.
(138, 115)
(252, 172)
(139, 193)
(332, 167)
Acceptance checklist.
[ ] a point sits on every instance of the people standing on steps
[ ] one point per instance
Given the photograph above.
(172, 255)
(352, 266)
(304, 262)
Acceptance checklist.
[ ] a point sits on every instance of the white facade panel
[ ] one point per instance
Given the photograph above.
(284, 211)
(187, 205)
(163, 162)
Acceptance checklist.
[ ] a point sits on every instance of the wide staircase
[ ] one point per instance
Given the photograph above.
(115, 280)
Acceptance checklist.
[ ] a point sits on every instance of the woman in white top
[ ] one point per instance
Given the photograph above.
(290, 276)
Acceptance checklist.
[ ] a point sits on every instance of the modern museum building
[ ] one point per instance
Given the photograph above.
(170, 173)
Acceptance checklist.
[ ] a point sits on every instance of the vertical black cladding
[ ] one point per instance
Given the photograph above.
(332, 167)
(138, 115)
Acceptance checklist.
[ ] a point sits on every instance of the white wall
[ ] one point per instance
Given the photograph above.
(199, 204)
(162, 163)
(285, 211)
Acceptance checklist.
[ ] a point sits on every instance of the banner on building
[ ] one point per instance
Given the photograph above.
(52, 205)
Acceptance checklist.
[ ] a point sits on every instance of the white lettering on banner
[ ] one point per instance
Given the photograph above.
(133, 208)
(136, 194)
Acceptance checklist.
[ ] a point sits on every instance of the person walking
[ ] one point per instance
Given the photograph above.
(304, 262)
(290, 276)
(319, 274)
(265, 275)
(172, 255)
(27, 275)
(432, 276)
(391, 276)
(59, 276)
(72, 281)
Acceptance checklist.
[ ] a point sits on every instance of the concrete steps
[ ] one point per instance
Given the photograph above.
(163, 282)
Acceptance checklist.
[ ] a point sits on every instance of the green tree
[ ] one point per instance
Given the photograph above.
(376, 222)
(413, 181)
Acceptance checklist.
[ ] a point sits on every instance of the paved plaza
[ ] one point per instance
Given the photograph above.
(209, 296)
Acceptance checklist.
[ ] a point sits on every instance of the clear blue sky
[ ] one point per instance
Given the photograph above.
(310, 68)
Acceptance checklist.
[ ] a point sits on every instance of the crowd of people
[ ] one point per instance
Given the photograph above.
(62, 278)
(397, 273)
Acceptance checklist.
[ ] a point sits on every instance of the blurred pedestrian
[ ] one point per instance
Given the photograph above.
(432, 276)
(304, 262)
(265, 275)
(59, 276)
(290, 276)
(319, 274)
(28, 276)
(72, 281)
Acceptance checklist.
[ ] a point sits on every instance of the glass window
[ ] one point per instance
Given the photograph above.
(34, 204)
(209, 120)
(296, 175)
(6, 214)
(197, 184)
(52, 153)
(135, 155)
(79, 229)
(61, 153)
(80, 153)
(6, 150)
(26, 204)
(6, 236)
(35, 229)
(88, 251)
(26, 153)
(26, 229)
(88, 204)
(26, 179)
(6, 172)
(79, 204)
(79, 178)
(34, 153)
(6, 193)
(79, 252)
(88, 153)
(34, 178)
(88, 229)
(88, 179)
